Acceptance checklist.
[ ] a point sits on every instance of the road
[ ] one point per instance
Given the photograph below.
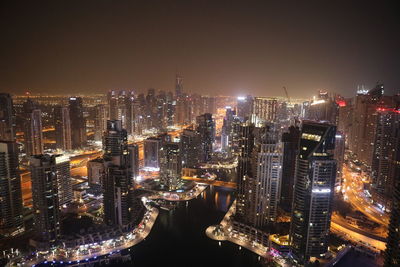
(353, 190)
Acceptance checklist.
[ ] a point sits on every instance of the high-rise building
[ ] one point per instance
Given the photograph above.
(115, 139)
(290, 142)
(33, 135)
(264, 109)
(339, 156)
(323, 108)
(313, 191)
(96, 169)
(227, 129)
(133, 161)
(100, 121)
(45, 198)
(392, 253)
(206, 130)
(244, 107)
(362, 133)
(78, 123)
(244, 169)
(152, 146)
(11, 217)
(178, 85)
(385, 140)
(62, 124)
(259, 179)
(190, 146)
(117, 179)
(170, 166)
(64, 182)
(7, 118)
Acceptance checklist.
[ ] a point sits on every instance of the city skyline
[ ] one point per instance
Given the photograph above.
(225, 48)
(199, 133)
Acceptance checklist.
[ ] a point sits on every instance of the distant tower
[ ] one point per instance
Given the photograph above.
(62, 124)
(33, 135)
(45, 198)
(178, 85)
(11, 217)
(100, 121)
(206, 130)
(313, 191)
(7, 118)
(78, 123)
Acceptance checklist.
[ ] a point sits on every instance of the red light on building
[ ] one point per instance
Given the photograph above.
(341, 103)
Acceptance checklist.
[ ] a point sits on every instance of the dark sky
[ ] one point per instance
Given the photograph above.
(220, 47)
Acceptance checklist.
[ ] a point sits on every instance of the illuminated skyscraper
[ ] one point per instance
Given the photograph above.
(178, 86)
(313, 191)
(117, 179)
(33, 135)
(290, 142)
(78, 123)
(64, 182)
(387, 126)
(11, 217)
(100, 121)
(244, 107)
(259, 180)
(7, 118)
(265, 109)
(392, 253)
(244, 169)
(190, 147)
(62, 124)
(323, 108)
(206, 130)
(339, 156)
(45, 198)
(152, 145)
(133, 161)
(362, 133)
(170, 166)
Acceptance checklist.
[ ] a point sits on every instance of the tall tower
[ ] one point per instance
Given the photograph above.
(11, 217)
(244, 169)
(33, 128)
(290, 142)
(392, 253)
(170, 166)
(313, 191)
(64, 182)
(45, 198)
(152, 146)
(206, 130)
(100, 121)
(178, 85)
(190, 146)
(78, 123)
(62, 124)
(259, 179)
(7, 118)
(117, 180)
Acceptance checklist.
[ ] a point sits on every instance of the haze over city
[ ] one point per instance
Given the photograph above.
(220, 47)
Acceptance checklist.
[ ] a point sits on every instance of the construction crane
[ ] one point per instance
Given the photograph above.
(286, 93)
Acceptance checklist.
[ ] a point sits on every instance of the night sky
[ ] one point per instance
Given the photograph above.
(220, 47)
